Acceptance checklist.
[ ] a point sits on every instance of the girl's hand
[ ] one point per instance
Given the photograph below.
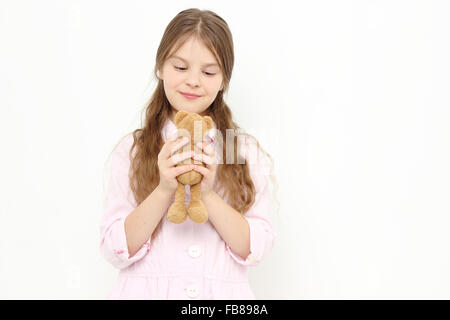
(168, 158)
(209, 171)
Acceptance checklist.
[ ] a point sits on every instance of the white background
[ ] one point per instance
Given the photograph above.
(356, 96)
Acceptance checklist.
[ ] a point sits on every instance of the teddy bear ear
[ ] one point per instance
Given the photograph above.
(180, 116)
(209, 122)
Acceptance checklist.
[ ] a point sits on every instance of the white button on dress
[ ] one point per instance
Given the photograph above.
(195, 251)
(192, 291)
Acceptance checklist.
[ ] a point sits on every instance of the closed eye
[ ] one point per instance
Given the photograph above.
(183, 69)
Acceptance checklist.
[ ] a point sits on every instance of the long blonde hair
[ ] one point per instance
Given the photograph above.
(234, 178)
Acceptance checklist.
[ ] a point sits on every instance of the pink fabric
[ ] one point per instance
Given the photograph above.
(187, 260)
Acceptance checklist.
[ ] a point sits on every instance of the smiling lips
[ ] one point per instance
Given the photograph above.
(189, 96)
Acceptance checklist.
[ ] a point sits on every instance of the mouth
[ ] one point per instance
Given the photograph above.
(189, 96)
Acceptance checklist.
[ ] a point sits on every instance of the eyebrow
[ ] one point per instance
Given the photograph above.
(205, 65)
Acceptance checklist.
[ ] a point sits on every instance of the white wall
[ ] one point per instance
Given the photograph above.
(357, 94)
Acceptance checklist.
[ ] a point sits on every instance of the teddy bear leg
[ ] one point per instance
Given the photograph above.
(177, 212)
(197, 210)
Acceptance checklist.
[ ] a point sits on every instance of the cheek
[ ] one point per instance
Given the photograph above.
(213, 85)
(171, 77)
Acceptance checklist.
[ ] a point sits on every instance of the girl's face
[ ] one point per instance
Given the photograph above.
(191, 69)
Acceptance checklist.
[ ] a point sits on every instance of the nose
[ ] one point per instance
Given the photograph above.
(192, 78)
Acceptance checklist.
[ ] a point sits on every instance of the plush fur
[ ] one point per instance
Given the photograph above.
(196, 210)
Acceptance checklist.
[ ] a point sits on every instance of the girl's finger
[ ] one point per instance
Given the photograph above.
(178, 144)
(168, 147)
(179, 157)
(204, 171)
(207, 148)
(204, 158)
(181, 169)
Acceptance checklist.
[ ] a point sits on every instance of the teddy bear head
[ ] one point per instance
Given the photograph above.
(193, 123)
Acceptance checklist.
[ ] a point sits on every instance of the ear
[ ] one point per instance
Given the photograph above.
(180, 116)
(209, 122)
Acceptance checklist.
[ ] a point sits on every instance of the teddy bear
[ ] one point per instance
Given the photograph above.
(190, 124)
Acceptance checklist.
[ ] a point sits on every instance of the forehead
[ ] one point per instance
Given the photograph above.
(194, 51)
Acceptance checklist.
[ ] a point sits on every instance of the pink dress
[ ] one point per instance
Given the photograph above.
(187, 260)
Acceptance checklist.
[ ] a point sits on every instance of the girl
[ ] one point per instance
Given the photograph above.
(159, 259)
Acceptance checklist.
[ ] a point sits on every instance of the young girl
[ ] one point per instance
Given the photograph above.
(157, 258)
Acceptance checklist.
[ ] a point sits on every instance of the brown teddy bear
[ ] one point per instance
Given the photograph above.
(186, 122)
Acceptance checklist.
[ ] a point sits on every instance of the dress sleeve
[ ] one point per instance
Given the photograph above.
(117, 205)
(262, 233)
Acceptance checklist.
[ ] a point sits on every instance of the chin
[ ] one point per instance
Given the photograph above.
(187, 109)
